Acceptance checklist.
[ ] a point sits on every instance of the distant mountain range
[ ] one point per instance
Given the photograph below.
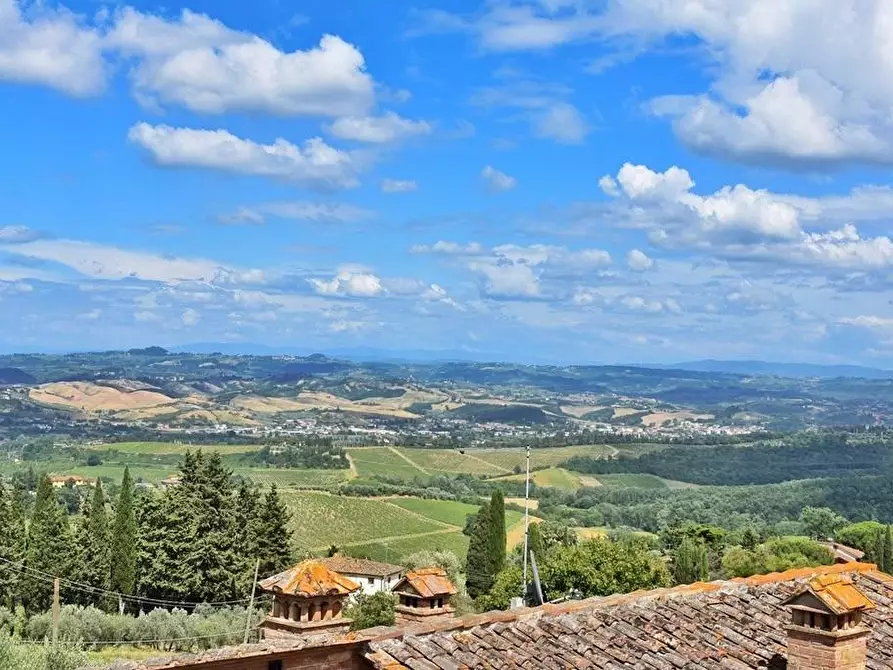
(797, 370)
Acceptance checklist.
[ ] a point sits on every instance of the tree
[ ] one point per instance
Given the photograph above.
(775, 555)
(124, 548)
(497, 532)
(880, 550)
(274, 538)
(821, 523)
(444, 559)
(478, 563)
(368, 611)
(506, 586)
(48, 552)
(888, 551)
(12, 543)
(860, 535)
(535, 543)
(749, 539)
(93, 545)
(600, 567)
(247, 525)
(690, 562)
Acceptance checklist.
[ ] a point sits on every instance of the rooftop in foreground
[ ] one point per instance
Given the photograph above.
(737, 624)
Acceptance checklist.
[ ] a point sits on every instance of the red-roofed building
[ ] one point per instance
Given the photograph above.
(423, 594)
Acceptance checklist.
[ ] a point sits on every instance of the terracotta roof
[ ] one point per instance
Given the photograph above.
(309, 579)
(428, 582)
(843, 552)
(737, 625)
(361, 566)
(836, 592)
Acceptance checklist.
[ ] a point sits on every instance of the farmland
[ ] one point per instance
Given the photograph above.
(556, 477)
(172, 448)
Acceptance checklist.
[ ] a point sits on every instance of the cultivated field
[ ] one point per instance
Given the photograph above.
(89, 397)
(555, 477)
(372, 461)
(311, 400)
(170, 448)
(290, 478)
(508, 459)
(660, 418)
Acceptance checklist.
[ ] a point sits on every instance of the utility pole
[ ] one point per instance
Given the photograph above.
(55, 610)
(251, 603)
(526, 523)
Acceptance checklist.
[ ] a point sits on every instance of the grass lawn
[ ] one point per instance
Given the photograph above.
(320, 520)
(169, 448)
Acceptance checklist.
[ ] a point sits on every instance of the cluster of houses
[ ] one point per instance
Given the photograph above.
(310, 598)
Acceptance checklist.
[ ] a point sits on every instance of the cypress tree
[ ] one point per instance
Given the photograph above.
(880, 556)
(124, 539)
(535, 543)
(48, 547)
(8, 543)
(888, 551)
(273, 536)
(690, 564)
(247, 521)
(497, 532)
(18, 532)
(94, 547)
(478, 563)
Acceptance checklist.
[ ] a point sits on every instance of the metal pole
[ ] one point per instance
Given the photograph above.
(251, 603)
(526, 521)
(56, 608)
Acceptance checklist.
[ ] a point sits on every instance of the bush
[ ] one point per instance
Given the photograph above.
(368, 611)
(23, 656)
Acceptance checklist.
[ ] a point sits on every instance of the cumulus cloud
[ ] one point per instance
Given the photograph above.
(345, 283)
(50, 47)
(199, 63)
(638, 260)
(190, 317)
(315, 164)
(448, 248)
(497, 181)
(13, 234)
(389, 127)
(399, 185)
(871, 322)
(742, 223)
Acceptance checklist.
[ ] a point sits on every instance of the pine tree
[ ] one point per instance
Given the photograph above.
(749, 539)
(478, 563)
(273, 538)
(690, 563)
(535, 543)
(124, 539)
(247, 521)
(8, 544)
(94, 547)
(888, 551)
(497, 532)
(48, 548)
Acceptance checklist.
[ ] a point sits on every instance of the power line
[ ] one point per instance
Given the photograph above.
(134, 642)
(95, 590)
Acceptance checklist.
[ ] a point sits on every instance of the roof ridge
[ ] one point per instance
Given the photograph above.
(500, 616)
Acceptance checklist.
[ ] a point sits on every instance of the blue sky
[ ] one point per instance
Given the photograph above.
(561, 180)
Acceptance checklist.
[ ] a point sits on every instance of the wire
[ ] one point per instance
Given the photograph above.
(78, 586)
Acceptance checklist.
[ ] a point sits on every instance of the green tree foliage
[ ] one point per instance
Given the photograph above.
(506, 586)
(23, 656)
(775, 555)
(93, 566)
(48, 547)
(880, 549)
(535, 543)
(600, 567)
(446, 560)
(478, 563)
(124, 539)
(860, 536)
(887, 565)
(690, 562)
(497, 532)
(273, 537)
(12, 543)
(821, 523)
(749, 539)
(368, 611)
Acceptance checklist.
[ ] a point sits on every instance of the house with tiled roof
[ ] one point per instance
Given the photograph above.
(843, 553)
(837, 617)
(372, 576)
(307, 598)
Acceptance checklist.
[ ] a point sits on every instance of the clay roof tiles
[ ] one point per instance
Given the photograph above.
(310, 579)
(361, 566)
(428, 582)
(737, 624)
(837, 593)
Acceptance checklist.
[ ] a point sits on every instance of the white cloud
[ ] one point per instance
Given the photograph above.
(355, 284)
(448, 248)
(316, 211)
(201, 64)
(110, 263)
(315, 165)
(497, 181)
(242, 216)
(12, 234)
(508, 280)
(190, 317)
(870, 322)
(384, 129)
(51, 47)
(638, 260)
(542, 254)
(399, 185)
(561, 122)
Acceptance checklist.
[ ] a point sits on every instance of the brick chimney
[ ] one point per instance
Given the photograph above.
(826, 630)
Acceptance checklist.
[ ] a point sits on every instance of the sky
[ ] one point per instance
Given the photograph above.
(586, 181)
